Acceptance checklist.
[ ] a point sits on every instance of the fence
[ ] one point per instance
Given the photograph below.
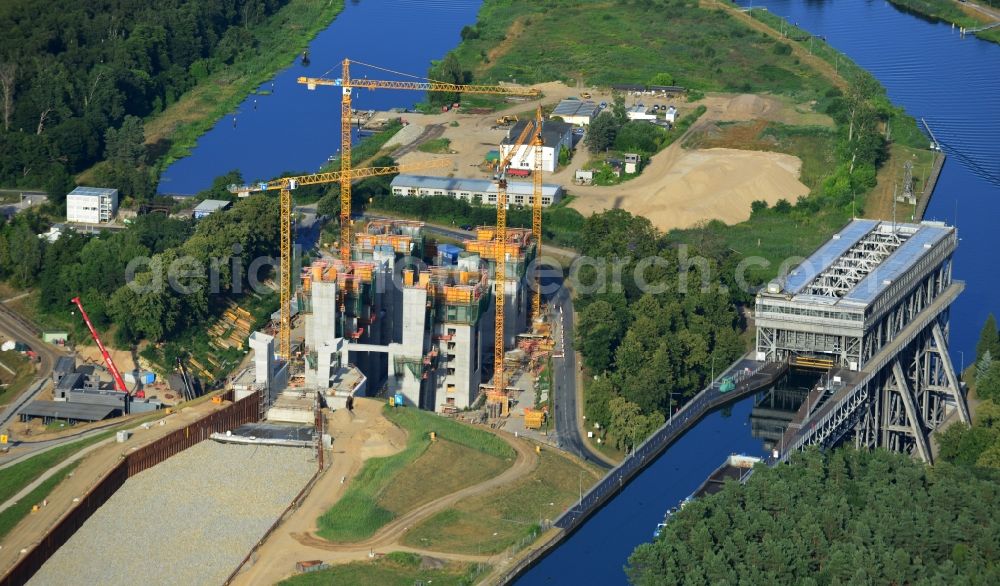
(243, 411)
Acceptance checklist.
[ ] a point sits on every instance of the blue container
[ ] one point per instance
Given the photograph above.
(449, 253)
(399, 400)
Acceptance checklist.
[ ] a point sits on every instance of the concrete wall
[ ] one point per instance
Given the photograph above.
(321, 325)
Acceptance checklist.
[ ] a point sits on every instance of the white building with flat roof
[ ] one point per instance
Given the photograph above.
(555, 136)
(473, 190)
(91, 205)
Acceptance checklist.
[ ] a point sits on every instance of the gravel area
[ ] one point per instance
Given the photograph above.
(188, 520)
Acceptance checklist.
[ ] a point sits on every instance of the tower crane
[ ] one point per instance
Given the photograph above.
(286, 185)
(347, 83)
(499, 393)
(115, 374)
(536, 214)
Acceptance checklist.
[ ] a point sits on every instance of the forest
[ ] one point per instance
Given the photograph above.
(652, 337)
(96, 268)
(840, 517)
(76, 81)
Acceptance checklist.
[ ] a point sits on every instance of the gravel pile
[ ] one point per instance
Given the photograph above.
(188, 520)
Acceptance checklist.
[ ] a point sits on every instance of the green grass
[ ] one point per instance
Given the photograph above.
(16, 477)
(395, 569)
(491, 522)
(11, 516)
(24, 373)
(770, 236)
(627, 42)
(360, 512)
(949, 11)
(436, 146)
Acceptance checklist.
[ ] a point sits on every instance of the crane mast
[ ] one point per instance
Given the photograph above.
(115, 374)
(499, 393)
(286, 185)
(536, 215)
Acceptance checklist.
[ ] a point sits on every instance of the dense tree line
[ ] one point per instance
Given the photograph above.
(75, 79)
(207, 268)
(845, 517)
(979, 445)
(653, 333)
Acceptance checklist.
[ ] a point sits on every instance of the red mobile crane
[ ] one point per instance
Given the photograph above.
(119, 382)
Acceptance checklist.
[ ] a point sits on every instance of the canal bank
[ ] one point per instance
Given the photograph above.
(286, 129)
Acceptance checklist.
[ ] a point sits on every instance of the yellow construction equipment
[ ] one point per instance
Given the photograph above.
(536, 216)
(286, 185)
(499, 393)
(508, 119)
(347, 84)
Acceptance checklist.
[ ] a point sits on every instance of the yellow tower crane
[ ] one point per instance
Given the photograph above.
(499, 393)
(347, 84)
(536, 215)
(286, 185)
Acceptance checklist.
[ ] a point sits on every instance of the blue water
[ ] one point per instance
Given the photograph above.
(927, 68)
(294, 129)
(954, 83)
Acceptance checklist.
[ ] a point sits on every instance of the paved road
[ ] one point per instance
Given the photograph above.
(18, 328)
(566, 393)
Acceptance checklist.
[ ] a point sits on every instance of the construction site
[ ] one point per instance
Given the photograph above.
(388, 313)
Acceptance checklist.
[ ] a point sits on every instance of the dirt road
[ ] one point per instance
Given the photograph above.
(295, 539)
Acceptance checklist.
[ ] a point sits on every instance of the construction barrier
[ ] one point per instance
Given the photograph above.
(245, 410)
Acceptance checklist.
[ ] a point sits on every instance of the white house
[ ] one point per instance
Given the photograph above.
(576, 112)
(555, 136)
(670, 114)
(91, 205)
(472, 190)
(639, 113)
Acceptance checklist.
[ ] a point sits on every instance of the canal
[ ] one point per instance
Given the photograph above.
(286, 128)
(932, 72)
(926, 67)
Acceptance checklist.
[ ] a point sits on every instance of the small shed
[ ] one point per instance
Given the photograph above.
(55, 336)
(632, 162)
(584, 176)
(670, 114)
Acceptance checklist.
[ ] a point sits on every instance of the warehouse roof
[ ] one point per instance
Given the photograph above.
(470, 185)
(65, 410)
(211, 205)
(93, 191)
(574, 107)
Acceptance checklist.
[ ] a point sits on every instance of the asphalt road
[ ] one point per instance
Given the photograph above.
(564, 378)
(18, 328)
